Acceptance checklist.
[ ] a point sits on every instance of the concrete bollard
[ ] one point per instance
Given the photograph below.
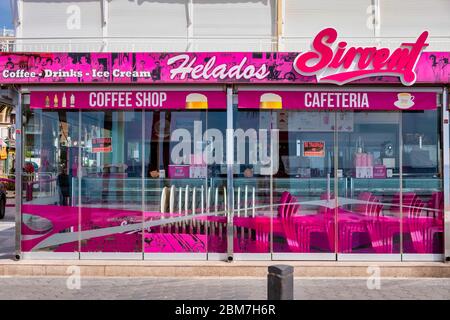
(280, 282)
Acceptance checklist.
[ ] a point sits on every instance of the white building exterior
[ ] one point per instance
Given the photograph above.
(222, 25)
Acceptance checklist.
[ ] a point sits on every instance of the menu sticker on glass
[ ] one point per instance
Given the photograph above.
(101, 145)
(314, 149)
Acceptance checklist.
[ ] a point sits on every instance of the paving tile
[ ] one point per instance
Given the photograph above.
(216, 288)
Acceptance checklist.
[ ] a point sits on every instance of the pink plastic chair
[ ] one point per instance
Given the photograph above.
(262, 227)
(262, 236)
(349, 225)
(408, 200)
(414, 225)
(322, 222)
(288, 210)
(381, 229)
(436, 203)
(421, 228)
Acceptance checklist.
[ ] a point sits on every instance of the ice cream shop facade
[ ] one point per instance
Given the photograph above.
(337, 153)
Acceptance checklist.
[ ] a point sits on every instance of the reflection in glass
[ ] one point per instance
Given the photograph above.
(110, 183)
(303, 187)
(184, 184)
(156, 182)
(423, 199)
(50, 150)
(369, 162)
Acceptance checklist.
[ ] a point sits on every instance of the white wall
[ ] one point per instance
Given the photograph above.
(143, 18)
(230, 25)
(395, 21)
(52, 18)
(304, 18)
(147, 18)
(254, 20)
(400, 18)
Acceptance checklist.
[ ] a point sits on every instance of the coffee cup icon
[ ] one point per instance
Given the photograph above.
(270, 101)
(405, 100)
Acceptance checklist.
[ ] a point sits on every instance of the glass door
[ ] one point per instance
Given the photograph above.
(110, 183)
(369, 207)
(184, 179)
(284, 185)
(254, 165)
(304, 186)
(216, 195)
(423, 204)
(49, 205)
(175, 182)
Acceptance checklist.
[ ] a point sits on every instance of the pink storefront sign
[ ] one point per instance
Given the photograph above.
(216, 67)
(99, 100)
(406, 64)
(178, 171)
(337, 100)
(349, 63)
(379, 172)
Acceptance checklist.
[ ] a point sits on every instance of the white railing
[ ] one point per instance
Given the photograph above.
(138, 44)
(190, 200)
(7, 44)
(183, 44)
(7, 32)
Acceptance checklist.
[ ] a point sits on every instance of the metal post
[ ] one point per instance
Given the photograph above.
(18, 173)
(79, 178)
(280, 282)
(446, 171)
(280, 5)
(400, 181)
(230, 157)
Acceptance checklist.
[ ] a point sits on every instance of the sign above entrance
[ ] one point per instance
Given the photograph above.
(148, 100)
(347, 64)
(337, 100)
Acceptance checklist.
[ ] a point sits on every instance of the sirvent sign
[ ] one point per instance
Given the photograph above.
(328, 61)
(344, 64)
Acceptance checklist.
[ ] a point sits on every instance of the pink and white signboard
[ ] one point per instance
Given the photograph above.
(95, 100)
(406, 64)
(178, 171)
(337, 100)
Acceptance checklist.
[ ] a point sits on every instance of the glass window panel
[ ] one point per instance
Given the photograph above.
(252, 177)
(49, 207)
(423, 200)
(304, 185)
(184, 183)
(111, 181)
(369, 162)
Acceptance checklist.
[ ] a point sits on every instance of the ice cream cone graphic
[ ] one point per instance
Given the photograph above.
(196, 101)
(270, 101)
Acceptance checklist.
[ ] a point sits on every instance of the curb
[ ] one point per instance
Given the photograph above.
(95, 268)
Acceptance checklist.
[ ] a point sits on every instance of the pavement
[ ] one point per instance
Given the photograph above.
(202, 288)
(225, 288)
